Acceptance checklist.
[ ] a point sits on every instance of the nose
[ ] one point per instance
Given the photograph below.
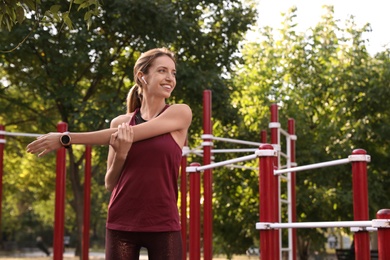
(169, 77)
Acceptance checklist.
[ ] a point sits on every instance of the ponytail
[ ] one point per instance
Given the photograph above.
(134, 99)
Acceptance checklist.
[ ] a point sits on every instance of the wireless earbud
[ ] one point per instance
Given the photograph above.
(144, 80)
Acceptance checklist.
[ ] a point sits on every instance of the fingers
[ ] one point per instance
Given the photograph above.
(121, 130)
(125, 132)
(44, 144)
(113, 138)
(43, 153)
(122, 140)
(35, 146)
(38, 148)
(131, 133)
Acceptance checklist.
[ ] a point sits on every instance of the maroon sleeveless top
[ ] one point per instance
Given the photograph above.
(145, 197)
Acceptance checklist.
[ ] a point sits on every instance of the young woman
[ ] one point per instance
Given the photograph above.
(143, 162)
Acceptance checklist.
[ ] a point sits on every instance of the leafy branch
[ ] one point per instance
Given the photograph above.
(15, 12)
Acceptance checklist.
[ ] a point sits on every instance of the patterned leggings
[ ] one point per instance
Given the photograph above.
(123, 245)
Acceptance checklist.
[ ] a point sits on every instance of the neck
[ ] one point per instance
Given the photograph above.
(148, 113)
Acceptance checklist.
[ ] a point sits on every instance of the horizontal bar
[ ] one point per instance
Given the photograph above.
(312, 166)
(243, 167)
(18, 134)
(230, 140)
(284, 132)
(223, 163)
(358, 229)
(243, 150)
(350, 224)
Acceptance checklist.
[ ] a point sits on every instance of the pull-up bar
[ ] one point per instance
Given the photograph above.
(326, 224)
(381, 225)
(351, 158)
(2, 132)
(230, 140)
(218, 164)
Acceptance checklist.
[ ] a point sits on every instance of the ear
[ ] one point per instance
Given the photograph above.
(141, 77)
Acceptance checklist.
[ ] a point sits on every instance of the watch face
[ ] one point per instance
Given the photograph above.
(65, 139)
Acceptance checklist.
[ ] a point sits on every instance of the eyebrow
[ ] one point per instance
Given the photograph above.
(164, 67)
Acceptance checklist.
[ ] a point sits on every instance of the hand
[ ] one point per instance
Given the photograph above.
(45, 144)
(122, 140)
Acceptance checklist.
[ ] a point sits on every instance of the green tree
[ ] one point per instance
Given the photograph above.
(325, 80)
(14, 13)
(82, 77)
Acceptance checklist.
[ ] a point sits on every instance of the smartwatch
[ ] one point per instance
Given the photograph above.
(65, 139)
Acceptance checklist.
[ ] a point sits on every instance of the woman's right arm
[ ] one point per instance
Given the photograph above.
(120, 145)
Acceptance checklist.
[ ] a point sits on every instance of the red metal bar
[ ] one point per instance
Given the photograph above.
(207, 180)
(59, 221)
(195, 214)
(269, 205)
(275, 141)
(383, 235)
(263, 136)
(360, 205)
(2, 146)
(183, 204)
(291, 131)
(87, 203)
(275, 130)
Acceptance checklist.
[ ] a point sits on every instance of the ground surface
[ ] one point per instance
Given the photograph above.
(69, 255)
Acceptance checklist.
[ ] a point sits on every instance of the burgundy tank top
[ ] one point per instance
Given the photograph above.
(145, 197)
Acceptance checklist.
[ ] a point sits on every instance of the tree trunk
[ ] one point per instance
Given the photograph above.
(303, 248)
(78, 200)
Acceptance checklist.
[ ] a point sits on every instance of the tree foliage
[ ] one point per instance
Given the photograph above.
(14, 13)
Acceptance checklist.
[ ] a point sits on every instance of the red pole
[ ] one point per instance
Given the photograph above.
(87, 203)
(274, 125)
(2, 145)
(263, 136)
(207, 179)
(291, 131)
(269, 203)
(183, 204)
(383, 235)
(195, 214)
(360, 202)
(59, 221)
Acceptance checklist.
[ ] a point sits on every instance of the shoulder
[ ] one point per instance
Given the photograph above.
(182, 109)
(181, 114)
(120, 119)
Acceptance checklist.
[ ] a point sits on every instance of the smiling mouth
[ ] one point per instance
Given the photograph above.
(167, 87)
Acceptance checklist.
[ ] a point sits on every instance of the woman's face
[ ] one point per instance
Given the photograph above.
(161, 77)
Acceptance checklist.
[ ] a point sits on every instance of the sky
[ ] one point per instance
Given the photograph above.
(375, 12)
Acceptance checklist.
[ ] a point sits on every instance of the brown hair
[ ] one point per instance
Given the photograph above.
(134, 97)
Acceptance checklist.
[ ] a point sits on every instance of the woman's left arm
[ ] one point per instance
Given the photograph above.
(177, 118)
